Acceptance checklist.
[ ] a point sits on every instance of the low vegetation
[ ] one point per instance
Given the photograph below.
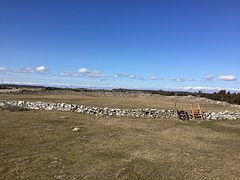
(68, 145)
(61, 145)
(233, 98)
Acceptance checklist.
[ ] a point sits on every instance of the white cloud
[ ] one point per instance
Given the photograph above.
(41, 69)
(90, 73)
(121, 75)
(24, 83)
(154, 78)
(125, 75)
(227, 78)
(84, 72)
(180, 79)
(95, 74)
(3, 69)
(136, 77)
(208, 78)
(70, 74)
(206, 89)
(24, 70)
(132, 76)
(65, 74)
(199, 88)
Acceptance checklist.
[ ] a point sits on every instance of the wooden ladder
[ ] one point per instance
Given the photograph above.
(196, 112)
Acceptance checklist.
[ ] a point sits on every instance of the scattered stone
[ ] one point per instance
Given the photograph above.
(59, 176)
(75, 129)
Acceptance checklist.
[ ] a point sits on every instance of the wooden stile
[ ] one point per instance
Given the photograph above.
(196, 112)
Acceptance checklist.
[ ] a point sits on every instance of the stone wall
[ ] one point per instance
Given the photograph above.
(97, 111)
(225, 115)
(107, 111)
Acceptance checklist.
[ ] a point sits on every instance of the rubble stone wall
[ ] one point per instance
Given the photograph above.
(107, 111)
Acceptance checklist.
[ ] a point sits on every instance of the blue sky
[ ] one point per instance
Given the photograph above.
(121, 43)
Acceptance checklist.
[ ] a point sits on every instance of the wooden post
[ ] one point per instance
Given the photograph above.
(192, 112)
(200, 111)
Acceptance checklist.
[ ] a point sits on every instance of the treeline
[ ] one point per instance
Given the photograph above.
(223, 95)
(16, 86)
(74, 89)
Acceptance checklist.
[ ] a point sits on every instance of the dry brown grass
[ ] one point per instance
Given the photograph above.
(42, 145)
(116, 101)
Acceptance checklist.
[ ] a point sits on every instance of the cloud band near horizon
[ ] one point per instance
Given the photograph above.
(96, 74)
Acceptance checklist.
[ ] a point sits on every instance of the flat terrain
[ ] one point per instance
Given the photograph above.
(162, 102)
(42, 145)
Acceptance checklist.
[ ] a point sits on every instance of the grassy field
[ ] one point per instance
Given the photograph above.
(42, 145)
(161, 102)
